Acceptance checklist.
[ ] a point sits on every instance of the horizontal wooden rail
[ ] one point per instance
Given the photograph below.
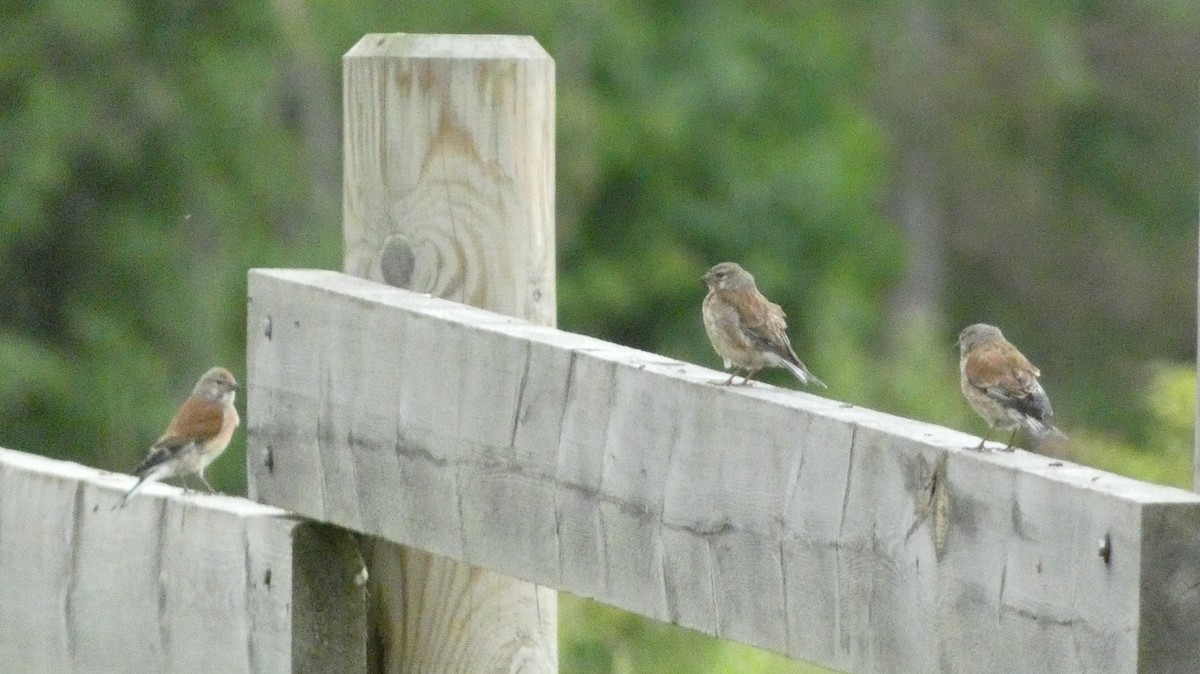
(829, 532)
(169, 583)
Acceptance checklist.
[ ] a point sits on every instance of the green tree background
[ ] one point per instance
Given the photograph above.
(890, 171)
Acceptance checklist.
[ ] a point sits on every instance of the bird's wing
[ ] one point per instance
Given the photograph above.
(765, 324)
(1006, 376)
(197, 419)
(162, 451)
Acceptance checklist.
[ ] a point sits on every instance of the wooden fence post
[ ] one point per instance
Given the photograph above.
(449, 190)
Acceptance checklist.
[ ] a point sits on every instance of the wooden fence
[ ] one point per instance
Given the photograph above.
(511, 459)
(170, 583)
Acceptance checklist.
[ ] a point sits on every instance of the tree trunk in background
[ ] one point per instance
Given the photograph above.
(307, 101)
(911, 70)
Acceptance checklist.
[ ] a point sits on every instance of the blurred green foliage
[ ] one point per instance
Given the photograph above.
(597, 639)
(889, 171)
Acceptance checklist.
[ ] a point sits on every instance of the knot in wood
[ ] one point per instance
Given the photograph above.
(397, 262)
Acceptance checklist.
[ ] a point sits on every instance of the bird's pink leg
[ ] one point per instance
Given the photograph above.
(749, 375)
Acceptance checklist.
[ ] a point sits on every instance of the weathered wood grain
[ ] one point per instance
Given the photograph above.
(832, 533)
(448, 189)
(449, 168)
(169, 583)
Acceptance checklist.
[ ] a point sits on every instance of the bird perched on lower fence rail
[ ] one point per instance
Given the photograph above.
(1001, 384)
(197, 435)
(746, 329)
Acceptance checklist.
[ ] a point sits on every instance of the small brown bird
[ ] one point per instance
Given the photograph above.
(746, 329)
(197, 435)
(1001, 385)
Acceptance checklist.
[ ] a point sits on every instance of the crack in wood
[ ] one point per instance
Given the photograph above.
(668, 597)
(164, 636)
(787, 613)
(1038, 618)
(322, 411)
(794, 478)
(73, 572)
(250, 589)
(1003, 586)
(516, 423)
(849, 477)
(462, 522)
(712, 579)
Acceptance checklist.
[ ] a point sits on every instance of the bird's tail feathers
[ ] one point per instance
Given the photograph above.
(133, 490)
(1042, 429)
(807, 378)
(158, 472)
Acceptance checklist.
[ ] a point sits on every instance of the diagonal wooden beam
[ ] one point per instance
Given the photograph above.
(829, 532)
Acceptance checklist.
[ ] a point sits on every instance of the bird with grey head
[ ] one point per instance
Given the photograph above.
(197, 434)
(1001, 385)
(748, 331)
